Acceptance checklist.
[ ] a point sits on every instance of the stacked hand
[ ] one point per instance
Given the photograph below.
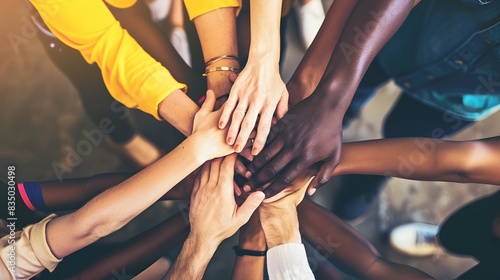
(214, 214)
(309, 134)
(257, 93)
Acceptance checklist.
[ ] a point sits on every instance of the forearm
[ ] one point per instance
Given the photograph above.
(345, 247)
(139, 252)
(179, 110)
(193, 259)
(250, 267)
(217, 33)
(114, 208)
(264, 32)
(281, 225)
(312, 66)
(423, 159)
(370, 26)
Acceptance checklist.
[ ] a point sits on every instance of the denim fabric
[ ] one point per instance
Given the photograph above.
(447, 55)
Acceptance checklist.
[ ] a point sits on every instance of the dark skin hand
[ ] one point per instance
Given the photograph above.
(311, 132)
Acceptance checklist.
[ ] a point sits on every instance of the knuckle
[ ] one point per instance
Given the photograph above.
(271, 170)
(285, 180)
(247, 124)
(238, 113)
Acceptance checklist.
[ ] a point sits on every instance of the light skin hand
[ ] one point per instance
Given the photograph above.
(257, 93)
(205, 123)
(259, 90)
(214, 214)
(279, 217)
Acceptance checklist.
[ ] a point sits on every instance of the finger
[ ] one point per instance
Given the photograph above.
(214, 172)
(236, 188)
(205, 174)
(247, 125)
(263, 130)
(238, 115)
(282, 107)
(270, 171)
(264, 157)
(324, 174)
(196, 186)
(233, 77)
(287, 177)
(228, 110)
(247, 154)
(209, 103)
(248, 207)
(239, 167)
(226, 175)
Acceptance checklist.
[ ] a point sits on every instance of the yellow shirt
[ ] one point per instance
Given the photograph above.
(131, 75)
(199, 7)
(32, 253)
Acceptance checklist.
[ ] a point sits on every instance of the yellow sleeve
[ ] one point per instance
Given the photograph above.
(131, 75)
(121, 4)
(199, 7)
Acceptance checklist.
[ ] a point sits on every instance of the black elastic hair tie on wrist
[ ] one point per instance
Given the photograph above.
(243, 252)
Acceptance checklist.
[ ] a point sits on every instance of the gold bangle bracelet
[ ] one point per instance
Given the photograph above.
(222, 68)
(221, 57)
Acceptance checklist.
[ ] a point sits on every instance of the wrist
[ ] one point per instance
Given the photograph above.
(199, 147)
(283, 219)
(203, 245)
(256, 242)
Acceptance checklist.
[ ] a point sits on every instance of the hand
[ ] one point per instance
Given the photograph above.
(310, 133)
(258, 89)
(282, 214)
(214, 214)
(221, 83)
(205, 128)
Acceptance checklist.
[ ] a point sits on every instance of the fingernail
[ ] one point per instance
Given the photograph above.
(248, 174)
(237, 148)
(230, 140)
(312, 191)
(247, 188)
(259, 196)
(255, 151)
(221, 124)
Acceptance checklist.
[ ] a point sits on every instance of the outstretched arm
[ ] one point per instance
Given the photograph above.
(424, 159)
(115, 207)
(318, 119)
(259, 91)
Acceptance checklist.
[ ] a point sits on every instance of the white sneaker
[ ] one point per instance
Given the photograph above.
(415, 239)
(309, 18)
(179, 40)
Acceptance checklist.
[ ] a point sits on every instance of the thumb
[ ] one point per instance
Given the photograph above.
(209, 103)
(282, 107)
(246, 210)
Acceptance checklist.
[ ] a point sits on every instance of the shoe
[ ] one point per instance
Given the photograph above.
(309, 19)
(356, 195)
(138, 151)
(471, 231)
(179, 40)
(415, 239)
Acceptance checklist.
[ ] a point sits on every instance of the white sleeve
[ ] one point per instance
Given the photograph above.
(288, 261)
